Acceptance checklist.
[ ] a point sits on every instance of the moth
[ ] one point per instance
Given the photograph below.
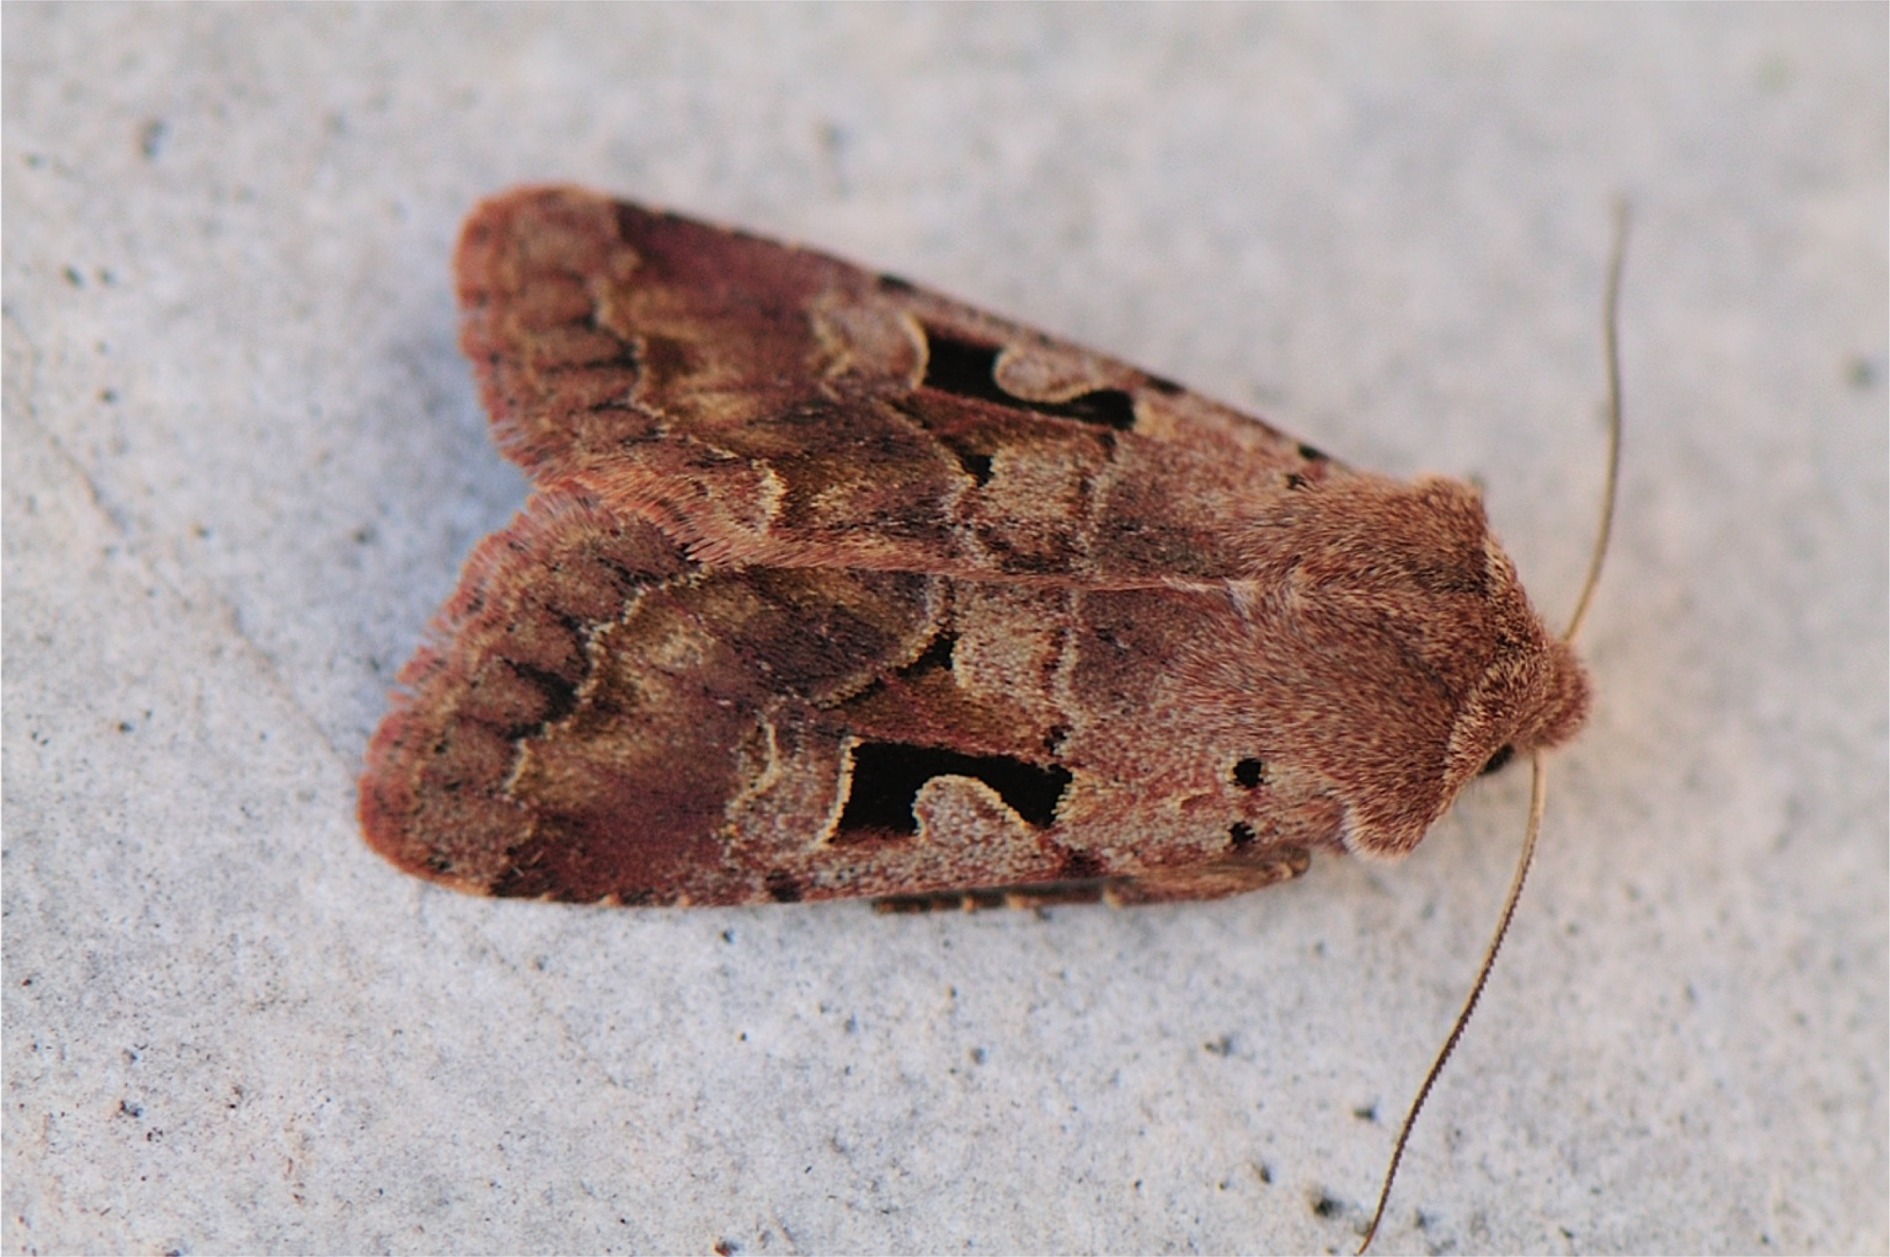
(831, 586)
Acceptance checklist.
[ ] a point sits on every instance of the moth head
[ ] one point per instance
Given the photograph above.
(1413, 653)
(1532, 694)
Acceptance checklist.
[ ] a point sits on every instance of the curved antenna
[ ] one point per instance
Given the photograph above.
(1538, 803)
(1538, 790)
(1611, 352)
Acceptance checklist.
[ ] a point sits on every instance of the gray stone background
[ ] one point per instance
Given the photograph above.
(243, 461)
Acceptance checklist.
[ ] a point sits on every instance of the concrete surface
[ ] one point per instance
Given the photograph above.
(243, 461)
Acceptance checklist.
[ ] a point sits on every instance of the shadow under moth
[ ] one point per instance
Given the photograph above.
(830, 586)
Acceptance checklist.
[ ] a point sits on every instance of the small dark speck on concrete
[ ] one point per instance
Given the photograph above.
(151, 137)
(1325, 1206)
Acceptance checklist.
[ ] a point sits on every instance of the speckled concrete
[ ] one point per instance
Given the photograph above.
(243, 461)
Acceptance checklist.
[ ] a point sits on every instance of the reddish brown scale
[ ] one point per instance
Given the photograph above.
(829, 586)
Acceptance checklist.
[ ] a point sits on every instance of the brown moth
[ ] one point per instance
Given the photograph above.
(830, 586)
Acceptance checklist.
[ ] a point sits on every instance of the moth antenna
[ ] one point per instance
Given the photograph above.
(1611, 355)
(1538, 790)
(1538, 803)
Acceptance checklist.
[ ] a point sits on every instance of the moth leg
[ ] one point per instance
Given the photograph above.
(1036, 895)
(1214, 880)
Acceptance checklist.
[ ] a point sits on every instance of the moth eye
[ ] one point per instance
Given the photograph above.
(1240, 835)
(1251, 773)
(1497, 760)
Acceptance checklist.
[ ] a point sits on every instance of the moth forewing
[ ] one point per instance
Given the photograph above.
(832, 586)
(829, 586)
